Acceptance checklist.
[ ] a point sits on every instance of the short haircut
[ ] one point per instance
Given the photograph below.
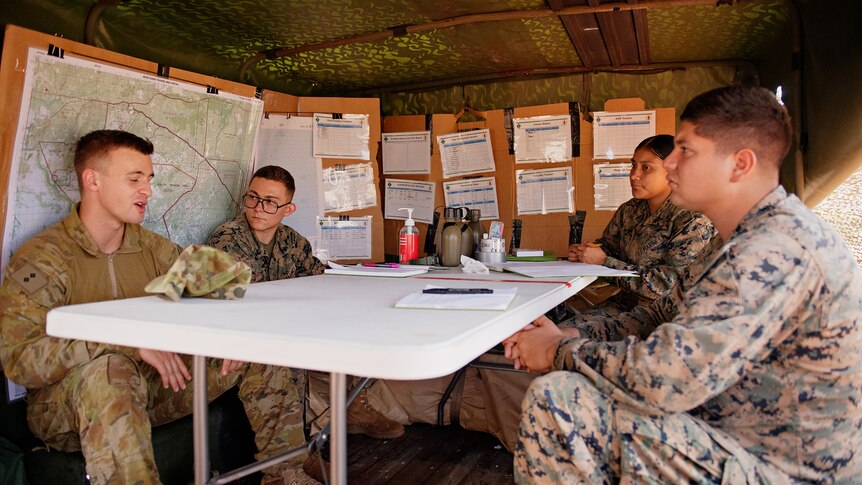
(737, 117)
(658, 145)
(96, 145)
(277, 174)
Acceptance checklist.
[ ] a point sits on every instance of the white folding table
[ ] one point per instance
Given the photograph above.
(338, 324)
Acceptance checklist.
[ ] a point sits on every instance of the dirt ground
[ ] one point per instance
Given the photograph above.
(843, 209)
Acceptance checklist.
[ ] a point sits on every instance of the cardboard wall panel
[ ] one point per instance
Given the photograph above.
(371, 107)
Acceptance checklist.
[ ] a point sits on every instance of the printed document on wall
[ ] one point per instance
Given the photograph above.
(543, 139)
(616, 134)
(407, 152)
(466, 153)
(344, 137)
(286, 142)
(474, 194)
(544, 191)
(348, 187)
(611, 185)
(345, 239)
(415, 194)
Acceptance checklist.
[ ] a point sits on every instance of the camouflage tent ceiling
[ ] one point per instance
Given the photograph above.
(515, 39)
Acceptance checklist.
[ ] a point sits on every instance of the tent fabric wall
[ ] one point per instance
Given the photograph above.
(214, 41)
(832, 72)
(672, 88)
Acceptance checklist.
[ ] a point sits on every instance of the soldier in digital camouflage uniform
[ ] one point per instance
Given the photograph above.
(748, 372)
(257, 237)
(648, 235)
(275, 251)
(103, 399)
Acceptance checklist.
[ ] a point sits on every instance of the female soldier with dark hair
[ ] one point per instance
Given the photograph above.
(648, 234)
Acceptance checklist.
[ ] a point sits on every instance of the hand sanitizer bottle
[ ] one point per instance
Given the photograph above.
(408, 239)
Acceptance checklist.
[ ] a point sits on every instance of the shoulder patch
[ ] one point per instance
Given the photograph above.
(29, 278)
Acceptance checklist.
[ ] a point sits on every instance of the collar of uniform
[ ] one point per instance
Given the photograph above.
(79, 234)
(765, 206)
(664, 211)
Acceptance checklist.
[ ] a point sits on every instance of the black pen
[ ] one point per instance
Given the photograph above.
(457, 291)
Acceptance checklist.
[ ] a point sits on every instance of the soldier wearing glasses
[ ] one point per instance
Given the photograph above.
(257, 236)
(275, 252)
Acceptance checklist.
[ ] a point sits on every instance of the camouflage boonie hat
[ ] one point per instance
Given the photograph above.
(203, 271)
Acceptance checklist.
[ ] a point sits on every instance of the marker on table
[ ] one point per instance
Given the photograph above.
(457, 291)
(381, 265)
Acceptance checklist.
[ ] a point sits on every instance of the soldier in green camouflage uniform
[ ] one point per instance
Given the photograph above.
(749, 371)
(103, 399)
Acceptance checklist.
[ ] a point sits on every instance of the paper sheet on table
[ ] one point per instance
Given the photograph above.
(499, 300)
(558, 269)
(359, 270)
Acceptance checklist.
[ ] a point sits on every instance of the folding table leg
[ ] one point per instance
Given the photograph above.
(338, 420)
(199, 413)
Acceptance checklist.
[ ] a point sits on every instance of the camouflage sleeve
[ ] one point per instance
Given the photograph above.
(640, 321)
(310, 266)
(734, 314)
(224, 240)
(30, 357)
(656, 279)
(610, 240)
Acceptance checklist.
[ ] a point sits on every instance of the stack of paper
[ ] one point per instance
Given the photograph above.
(498, 300)
(359, 270)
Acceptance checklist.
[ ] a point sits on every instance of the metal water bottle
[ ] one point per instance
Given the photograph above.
(450, 239)
(466, 234)
(476, 226)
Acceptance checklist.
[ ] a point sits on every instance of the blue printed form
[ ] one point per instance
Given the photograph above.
(543, 139)
(466, 153)
(616, 134)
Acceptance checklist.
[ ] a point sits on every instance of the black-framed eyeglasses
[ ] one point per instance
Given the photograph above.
(268, 206)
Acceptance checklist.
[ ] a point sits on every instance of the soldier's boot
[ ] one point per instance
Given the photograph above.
(364, 419)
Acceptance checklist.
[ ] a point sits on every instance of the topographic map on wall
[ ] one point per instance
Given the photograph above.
(204, 145)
